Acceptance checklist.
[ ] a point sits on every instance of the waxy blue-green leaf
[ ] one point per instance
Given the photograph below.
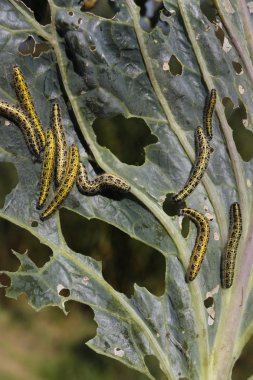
(99, 67)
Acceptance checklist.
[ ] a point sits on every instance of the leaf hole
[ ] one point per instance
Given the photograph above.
(27, 47)
(170, 207)
(93, 48)
(154, 367)
(64, 292)
(106, 9)
(41, 10)
(152, 14)
(8, 171)
(237, 67)
(208, 9)
(126, 138)
(237, 118)
(220, 35)
(208, 302)
(225, 44)
(125, 261)
(34, 223)
(175, 66)
(20, 240)
(5, 279)
(243, 366)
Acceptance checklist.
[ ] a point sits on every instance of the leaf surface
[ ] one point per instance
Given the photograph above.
(103, 68)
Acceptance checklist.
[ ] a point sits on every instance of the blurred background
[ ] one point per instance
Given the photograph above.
(49, 345)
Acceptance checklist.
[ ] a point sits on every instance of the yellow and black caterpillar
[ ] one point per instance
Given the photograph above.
(66, 184)
(47, 168)
(61, 144)
(200, 247)
(23, 122)
(208, 113)
(102, 182)
(235, 232)
(199, 167)
(26, 102)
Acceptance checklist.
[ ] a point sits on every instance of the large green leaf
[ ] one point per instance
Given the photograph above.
(105, 67)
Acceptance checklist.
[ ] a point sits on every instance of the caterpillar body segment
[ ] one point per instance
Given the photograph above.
(199, 167)
(102, 182)
(47, 168)
(208, 113)
(200, 247)
(66, 184)
(235, 232)
(16, 115)
(27, 104)
(61, 144)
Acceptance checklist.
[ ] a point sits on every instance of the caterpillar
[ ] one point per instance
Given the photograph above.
(23, 122)
(66, 184)
(102, 182)
(47, 168)
(208, 113)
(27, 104)
(61, 144)
(199, 250)
(199, 167)
(235, 231)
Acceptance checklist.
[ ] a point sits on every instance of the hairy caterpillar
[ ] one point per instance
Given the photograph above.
(23, 122)
(66, 184)
(102, 182)
(27, 104)
(61, 144)
(199, 250)
(47, 168)
(235, 231)
(208, 113)
(199, 167)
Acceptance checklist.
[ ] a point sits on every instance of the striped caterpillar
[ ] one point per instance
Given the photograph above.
(61, 144)
(102, 182)
(27, 104)
(199, 167)
(208, 113)
(47, 168)
(23, 122)
(199, 250)
(66, 184)
(235, 231)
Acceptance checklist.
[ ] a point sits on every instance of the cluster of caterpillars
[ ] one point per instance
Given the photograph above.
(59, 160)
(63, 163)
(203, 137)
